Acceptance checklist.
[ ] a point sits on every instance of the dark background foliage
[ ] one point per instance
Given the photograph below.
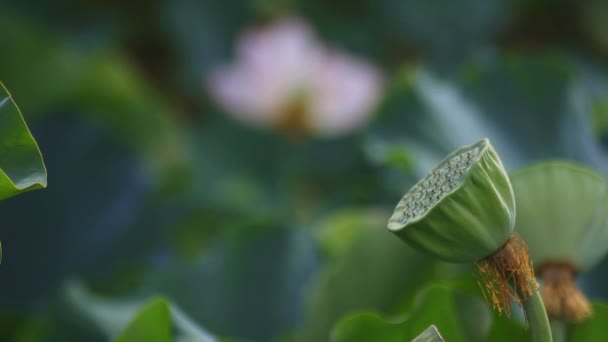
(153, 190)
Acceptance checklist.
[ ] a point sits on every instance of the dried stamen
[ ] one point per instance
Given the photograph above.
(507, 275)
(563, 300)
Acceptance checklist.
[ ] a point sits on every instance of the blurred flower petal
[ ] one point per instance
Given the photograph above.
(344, 94)
(282, 71)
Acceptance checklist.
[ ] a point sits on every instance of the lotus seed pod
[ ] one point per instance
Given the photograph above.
(562, 213)
(463, 210)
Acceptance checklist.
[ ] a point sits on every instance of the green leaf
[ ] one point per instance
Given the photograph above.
(593, 329)
(438, 306)
(83, 227)
(97, 82)
(368, 270)
(21, 165)
(371, 327)
(368, 327)
(521, 103)
(431, 334)
(151, 324)
(132, 317)
(443, 307)
(250, 283)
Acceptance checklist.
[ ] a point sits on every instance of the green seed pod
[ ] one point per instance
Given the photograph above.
(562, 213)
(463, 210)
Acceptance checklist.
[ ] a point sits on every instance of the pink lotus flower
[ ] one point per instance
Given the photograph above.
(284, 78)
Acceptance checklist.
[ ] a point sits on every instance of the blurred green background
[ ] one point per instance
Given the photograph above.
(261, 234)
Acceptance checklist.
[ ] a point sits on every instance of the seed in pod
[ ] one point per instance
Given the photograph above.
(470, 219)
(563, 215)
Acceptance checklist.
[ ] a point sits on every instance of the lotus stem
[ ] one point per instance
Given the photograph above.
(558, 330)
(535, 312)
